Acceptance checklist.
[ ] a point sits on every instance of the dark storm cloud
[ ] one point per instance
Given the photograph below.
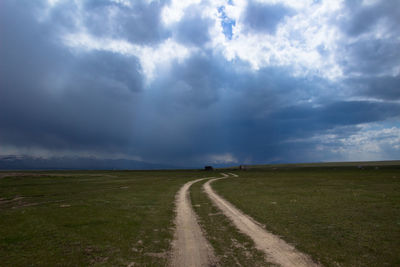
(195, 82)
(372, 57)
(265, 17)
(193, 29)
(249, 114)
(384, 87)
(206, 105)
(341, 113)
(180, 114)
(266, 138)
(107, 70)
(361, 18)
(371, 60)
(140, 23)
(54, 99)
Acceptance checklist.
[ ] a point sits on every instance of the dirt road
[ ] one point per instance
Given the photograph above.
(277, 251)
(190, 247)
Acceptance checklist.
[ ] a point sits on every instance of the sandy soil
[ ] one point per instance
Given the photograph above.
(190, 247)
(277, 251)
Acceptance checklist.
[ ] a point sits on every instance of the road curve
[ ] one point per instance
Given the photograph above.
(190, 247)
(277, 251)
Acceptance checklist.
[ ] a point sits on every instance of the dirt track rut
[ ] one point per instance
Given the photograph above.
(190, 247)
(277, 251)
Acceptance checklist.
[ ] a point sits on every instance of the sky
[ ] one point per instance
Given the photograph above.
(200, 82)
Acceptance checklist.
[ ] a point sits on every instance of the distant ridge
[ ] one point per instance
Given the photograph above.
(75, 163)
(327, 164)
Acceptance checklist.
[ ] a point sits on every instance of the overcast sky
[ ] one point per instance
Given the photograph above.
(195, 82)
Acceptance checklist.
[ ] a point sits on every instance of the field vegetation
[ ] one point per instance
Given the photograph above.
(341, 216)
(231, 247)
(88, 218)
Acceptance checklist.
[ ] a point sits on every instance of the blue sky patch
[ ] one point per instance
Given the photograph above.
(226, 23)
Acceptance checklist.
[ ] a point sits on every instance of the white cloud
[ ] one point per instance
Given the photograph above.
(291, 3)
(305, 41)
(126, 3)
(370, 143)
(175, 11)
(369, 2)
(150, 57)
(52, 2)
(221, 158)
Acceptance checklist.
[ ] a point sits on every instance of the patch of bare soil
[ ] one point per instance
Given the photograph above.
(6, 201)
(16, 202)
(19, 202)
(277, 250)
(190, 247)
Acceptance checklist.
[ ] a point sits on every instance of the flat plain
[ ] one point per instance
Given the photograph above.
(341, 216)
(83, 218)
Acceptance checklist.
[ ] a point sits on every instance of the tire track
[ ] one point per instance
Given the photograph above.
(190, 247)
(277, 250)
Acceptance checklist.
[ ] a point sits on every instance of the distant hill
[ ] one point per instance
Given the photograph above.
(326, 164)
(75, 163)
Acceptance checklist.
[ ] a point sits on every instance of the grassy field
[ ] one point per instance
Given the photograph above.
(340, 216)
(88, 218)
(358, 164)
(231, 247)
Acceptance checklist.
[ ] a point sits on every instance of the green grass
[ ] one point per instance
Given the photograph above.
(88, 218)
(231, 247)
(340, 216)
(361, 164)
